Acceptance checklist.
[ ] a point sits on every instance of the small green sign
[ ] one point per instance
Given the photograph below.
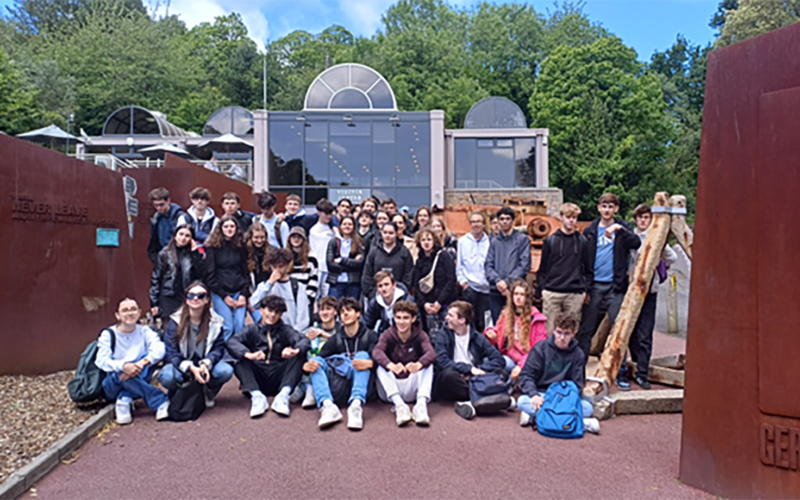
(107, 237)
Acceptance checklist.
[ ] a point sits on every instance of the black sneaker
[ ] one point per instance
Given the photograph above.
(623, 384)
(465, 410)
(642, 382)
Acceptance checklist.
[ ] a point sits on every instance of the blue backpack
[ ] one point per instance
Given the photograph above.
(561, 416)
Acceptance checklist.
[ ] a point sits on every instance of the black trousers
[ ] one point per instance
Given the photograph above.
(601, 298)
(450, 385)
(480, 304)
(270, 377)
(641, 344)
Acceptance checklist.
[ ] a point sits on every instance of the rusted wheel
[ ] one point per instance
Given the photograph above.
(539, 228)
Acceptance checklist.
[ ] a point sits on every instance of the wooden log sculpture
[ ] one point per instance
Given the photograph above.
(646, 263)
(600, 337)
(679, 227)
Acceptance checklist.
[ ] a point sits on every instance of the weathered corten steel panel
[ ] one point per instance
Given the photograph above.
(59, 288)
(741, 417)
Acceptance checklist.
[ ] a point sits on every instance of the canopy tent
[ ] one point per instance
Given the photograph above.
(51, 135)
(160, 150)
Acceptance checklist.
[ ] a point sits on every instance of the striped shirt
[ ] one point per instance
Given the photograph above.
(309, 277)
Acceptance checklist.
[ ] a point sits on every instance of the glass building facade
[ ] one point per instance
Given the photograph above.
(493, 163)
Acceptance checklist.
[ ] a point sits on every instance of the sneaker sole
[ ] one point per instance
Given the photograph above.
(424, 423)
(464, 411)
(354, 427)
(325, 425)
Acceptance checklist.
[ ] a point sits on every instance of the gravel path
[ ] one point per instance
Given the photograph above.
(35, 412)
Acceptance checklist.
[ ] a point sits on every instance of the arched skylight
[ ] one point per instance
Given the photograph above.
(135, 120)
(351, 87)
(495, 112)
(234, 120)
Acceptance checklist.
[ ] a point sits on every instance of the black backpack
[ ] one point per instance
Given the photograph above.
(187, 402)
(87, 386)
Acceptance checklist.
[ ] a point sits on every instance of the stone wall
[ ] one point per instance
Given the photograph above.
(551, 197)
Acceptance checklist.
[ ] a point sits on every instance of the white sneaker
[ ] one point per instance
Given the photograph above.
(330, 414)
(309, 401)
(210, 402)
(123, 411)
(421, 414)
(280, 405)
(162, 413)
(591, 425)
(525, 420)
(512, 405)
(355, 417)
(402, 414)
(258, 405)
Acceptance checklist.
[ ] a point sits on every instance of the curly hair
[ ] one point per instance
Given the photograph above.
(510, 316)
(256, 227)
(216, 238)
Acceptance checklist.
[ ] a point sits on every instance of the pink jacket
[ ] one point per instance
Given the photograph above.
(516, 352)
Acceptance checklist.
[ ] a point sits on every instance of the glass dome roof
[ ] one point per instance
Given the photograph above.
(495, 112)
(351, 87)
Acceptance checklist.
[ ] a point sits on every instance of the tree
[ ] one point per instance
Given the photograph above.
(18, 112)
(607, 121)
(756, 17)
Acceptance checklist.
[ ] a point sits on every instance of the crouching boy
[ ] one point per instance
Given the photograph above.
(341, 371)
(127, 365)
(405, 357)
(554, 360)
(269, 358)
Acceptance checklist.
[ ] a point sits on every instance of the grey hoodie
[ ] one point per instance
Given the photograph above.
(509, 258)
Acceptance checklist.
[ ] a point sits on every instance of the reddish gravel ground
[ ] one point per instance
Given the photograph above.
(225, 454)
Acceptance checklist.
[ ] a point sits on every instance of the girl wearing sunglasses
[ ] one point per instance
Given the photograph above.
(195, 345)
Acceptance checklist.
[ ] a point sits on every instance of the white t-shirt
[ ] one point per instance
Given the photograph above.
(461, 354)
(318, 239)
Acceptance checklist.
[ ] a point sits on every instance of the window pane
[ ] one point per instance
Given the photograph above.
(119, 123)
(465, 163)
(349, 156)
(495, 168)
(144, 123)
(288, 191)
(505, 143)
(384, 161)
(485, 143)
(385, 192)
(350, 99)
(316, 163)
(525, 171)
(381, 96)
(338, 78)
(362, 78)
(383, 132)
(285, 154)
(413, 154)
(316, 131)
(351, 128)
(313, 195)
(242, 122)
(318, 97)
(413, 197)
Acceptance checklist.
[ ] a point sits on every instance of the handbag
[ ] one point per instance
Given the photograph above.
(188, 402)
(426, 283)
(489, 394)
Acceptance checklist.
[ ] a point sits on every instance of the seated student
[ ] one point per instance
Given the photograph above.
(231, 205)
(268, 358)
(556, 359)
(521, 326)
(195, 345)
(317, 334)
(200, 216)
(341, 371)
(291, 290)
(405, 357)
(127, 367)
(379, 308)
(462, 353)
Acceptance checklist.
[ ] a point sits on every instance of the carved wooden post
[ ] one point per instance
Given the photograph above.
(646, 263)
(600, 337)
(680, 229)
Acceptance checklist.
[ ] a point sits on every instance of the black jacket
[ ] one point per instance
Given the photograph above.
(547, 364)
(484, 355)
(259, 275)
(258, 336)
(376, 312)
(162, 229)
(624, 241)
(444, 277)
(398, 261)
(351, 266)
(226, 270)
(339, 343)
(564, 264)
(172, 274)
(244, 219)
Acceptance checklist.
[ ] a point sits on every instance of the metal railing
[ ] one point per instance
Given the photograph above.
(241, 170)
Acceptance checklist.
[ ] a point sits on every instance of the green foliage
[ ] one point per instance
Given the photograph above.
(751, 18)
(18, 112)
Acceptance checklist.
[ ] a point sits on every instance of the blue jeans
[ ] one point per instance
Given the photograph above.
(358, 379)
(256, 315)
(524, 404)
(510, 364)
(234, 318)
(340, 290)
(170, 377)
(136, 387)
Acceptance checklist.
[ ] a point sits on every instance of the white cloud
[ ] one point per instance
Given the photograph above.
(365, 14)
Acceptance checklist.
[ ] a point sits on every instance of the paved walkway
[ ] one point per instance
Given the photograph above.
(225, 454)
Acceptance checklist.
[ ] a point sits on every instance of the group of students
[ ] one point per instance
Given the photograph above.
(347, 304)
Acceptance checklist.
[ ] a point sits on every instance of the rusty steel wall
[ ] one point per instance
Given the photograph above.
(59, 288)
(741, 417)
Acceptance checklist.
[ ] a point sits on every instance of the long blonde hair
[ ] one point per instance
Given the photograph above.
(510, 316)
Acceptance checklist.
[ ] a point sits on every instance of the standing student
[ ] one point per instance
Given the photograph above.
(296, 215)
(421, 219)
(366, 226)
(370, 205)
(200, 216)
(177, 266)
(306, 267)
(269, 358)
(641, 344)
(609, 244)
(127, 365)
(297, 311)
(508, 259)
(556, 359)
(345, 258)
(343, 368)
(405, 357)
(563, 281)
(255, 241)
(433, 262)
(231, 205)
(389, 255)
(494, 225)
(521, 326)
(227, 274)
(344, 207)
(380, 315)
(318, 238)
(389, 206)
(195, 346)
(277, 230)
(447, 240)
(163, 223)
(470, 272)
(402, 235)
(462, 353)
(376, 238)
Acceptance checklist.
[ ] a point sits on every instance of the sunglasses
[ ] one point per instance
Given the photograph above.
(197, 296)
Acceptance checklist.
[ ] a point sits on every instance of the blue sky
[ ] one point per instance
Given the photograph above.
(645, 25)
